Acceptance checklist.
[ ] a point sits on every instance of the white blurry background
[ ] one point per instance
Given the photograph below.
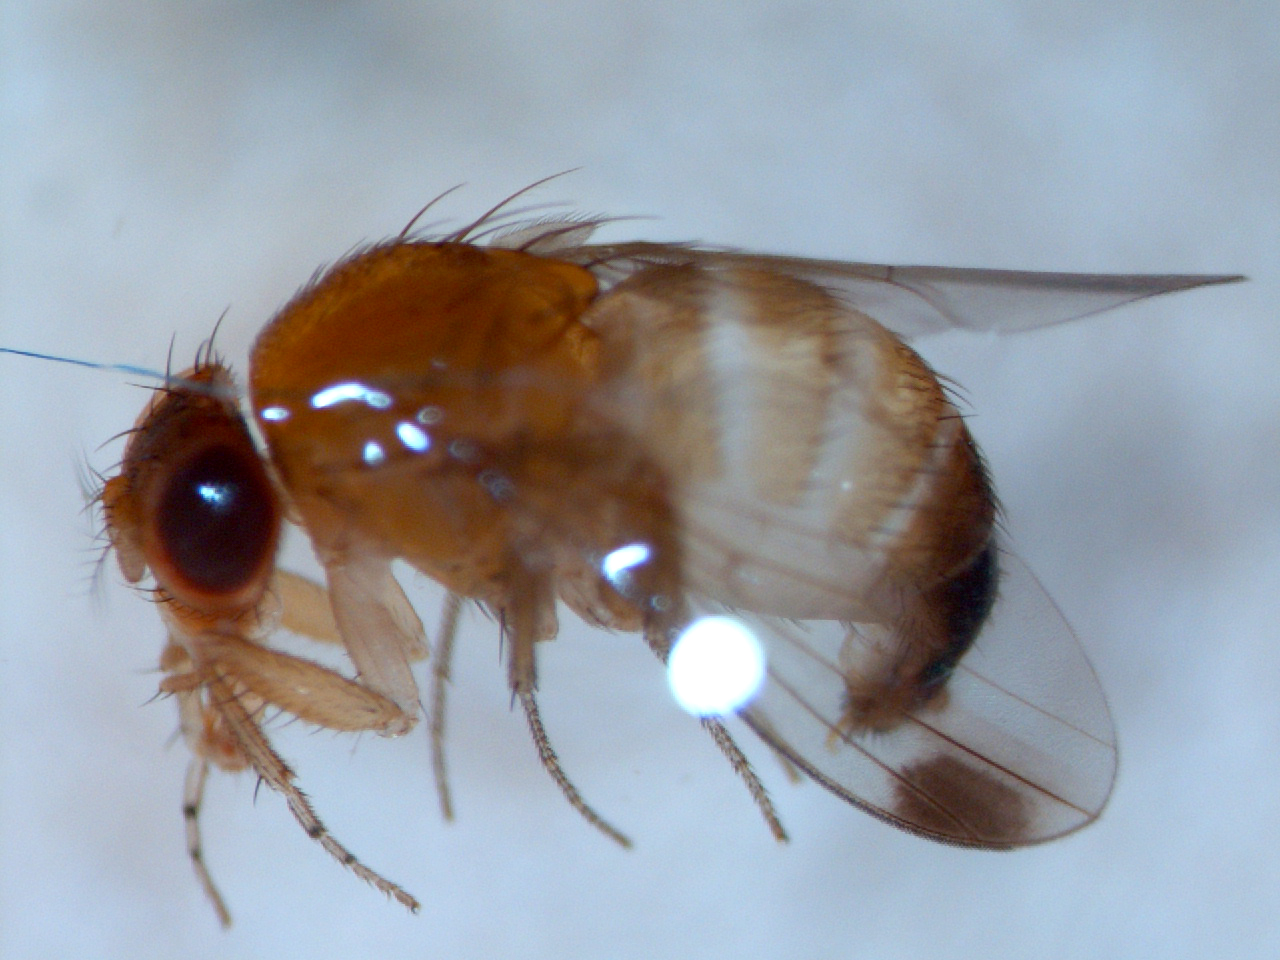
(161, 163)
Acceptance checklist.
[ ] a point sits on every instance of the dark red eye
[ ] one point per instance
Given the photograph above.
(217, 519)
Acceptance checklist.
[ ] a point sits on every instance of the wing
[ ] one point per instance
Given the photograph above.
(910, 301)
(1019, 749)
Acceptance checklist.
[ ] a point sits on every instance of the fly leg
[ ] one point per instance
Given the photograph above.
(525, 621)
(658, 634)
(439, 691)
(223, 683)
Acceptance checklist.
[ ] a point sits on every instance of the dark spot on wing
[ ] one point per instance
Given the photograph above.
(946, 796)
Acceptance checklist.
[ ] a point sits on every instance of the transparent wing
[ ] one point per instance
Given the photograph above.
(1018, 746)
(1018, 749)
(912, 301)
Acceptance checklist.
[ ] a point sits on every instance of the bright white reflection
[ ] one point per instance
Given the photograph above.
(341, 392)
(716, 666)
(413, 437)
(373, 453)
(616, 564)
(215, 494)
(275, 414)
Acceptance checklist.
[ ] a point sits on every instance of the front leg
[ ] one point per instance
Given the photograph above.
(305, 689)
(379, 627)
(223, 684)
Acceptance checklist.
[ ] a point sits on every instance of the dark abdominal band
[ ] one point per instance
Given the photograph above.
(965, 601)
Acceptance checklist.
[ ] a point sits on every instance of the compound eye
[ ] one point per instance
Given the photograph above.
(217, 521)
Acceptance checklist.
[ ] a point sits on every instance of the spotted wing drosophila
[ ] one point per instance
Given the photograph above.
(752, 433)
